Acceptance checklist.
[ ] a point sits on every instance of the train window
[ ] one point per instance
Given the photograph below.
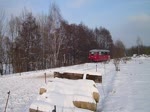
(102, 53)
(91, 52)
(95, 52)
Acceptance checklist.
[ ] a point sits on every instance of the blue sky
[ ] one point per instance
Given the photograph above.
(125, 19)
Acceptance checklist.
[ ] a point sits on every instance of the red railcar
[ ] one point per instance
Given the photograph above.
(98, 55)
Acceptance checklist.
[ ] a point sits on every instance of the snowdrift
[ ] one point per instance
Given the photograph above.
(67, 95)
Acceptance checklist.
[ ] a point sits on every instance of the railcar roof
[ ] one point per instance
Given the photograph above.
(99, 50)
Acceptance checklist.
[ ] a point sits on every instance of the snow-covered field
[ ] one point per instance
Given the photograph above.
(125, 91)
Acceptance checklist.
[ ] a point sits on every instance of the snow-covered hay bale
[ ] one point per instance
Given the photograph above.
(67, 93)
(40, 106)
(42, 90)
(85, 105)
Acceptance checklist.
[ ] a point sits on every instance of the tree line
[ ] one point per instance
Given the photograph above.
(29, 42)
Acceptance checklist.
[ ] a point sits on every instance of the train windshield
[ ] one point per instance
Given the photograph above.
(101, 52)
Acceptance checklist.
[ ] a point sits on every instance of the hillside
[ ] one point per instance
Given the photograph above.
(124, 91)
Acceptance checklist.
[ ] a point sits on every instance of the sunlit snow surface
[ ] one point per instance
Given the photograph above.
(125, 91)
(130, 88)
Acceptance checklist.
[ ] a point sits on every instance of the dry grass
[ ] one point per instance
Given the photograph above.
(96, 96)
(85, 105)
(42, 90)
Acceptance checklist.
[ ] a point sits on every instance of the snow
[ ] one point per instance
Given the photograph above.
(124, 91)
(130, 88)
(62, 93)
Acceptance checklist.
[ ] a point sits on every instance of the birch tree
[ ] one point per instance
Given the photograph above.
(43, 21)
(56, 38)
(14, 27)
(2, 28)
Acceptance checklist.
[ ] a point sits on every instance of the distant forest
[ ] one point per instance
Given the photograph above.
(29, 42)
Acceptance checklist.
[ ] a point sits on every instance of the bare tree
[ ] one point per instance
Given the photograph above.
(14, 27)
(2, 28)
(6, 55)
(119, 49)
(44, 29)
(103, 38)
(28, 45)
(55, 31)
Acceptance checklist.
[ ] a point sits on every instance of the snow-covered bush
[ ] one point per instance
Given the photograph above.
(125, 59)
(116, 63)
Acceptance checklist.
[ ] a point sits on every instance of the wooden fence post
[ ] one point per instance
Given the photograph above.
(45, 77)
(54, 109)
(96, 67)
(7, 101)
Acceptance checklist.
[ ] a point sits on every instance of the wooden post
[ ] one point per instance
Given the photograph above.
(96, 67)
(54, 109)
(45, 77)
(37, 109)
(7, 101)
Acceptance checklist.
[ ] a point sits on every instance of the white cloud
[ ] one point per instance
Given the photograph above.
(140, 22)
(142, 18)
(133, 27)
(78, 3)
